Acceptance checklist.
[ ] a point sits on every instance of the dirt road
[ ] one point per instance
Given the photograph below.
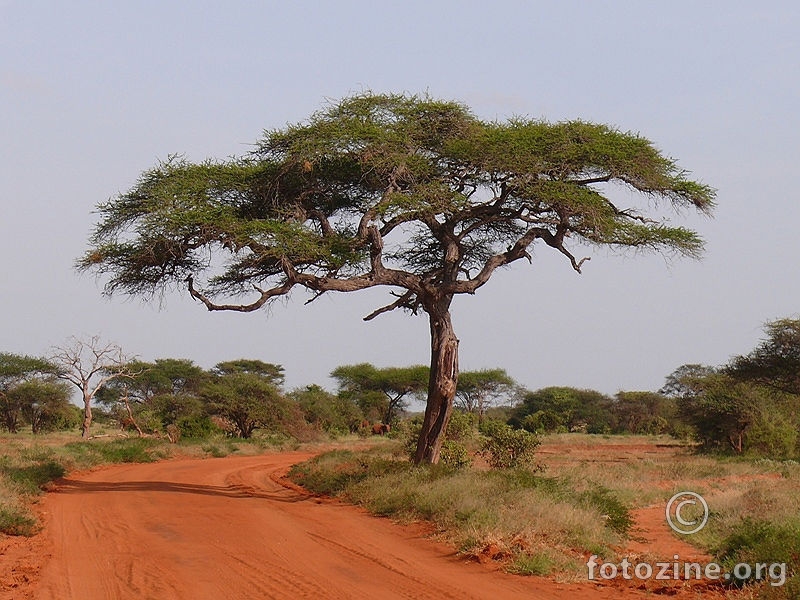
(227, 528)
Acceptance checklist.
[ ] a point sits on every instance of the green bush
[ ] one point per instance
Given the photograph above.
(461, 426)
(756, 541)
(508, 448)
(612, 508)
(14, 521)
(31, 478)
(772, 435)
(454, 455)
(333, 472)
(130, 450)
(196, 427)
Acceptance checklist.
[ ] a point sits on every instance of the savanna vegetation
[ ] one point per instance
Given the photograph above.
(503, 489)
(421, 197)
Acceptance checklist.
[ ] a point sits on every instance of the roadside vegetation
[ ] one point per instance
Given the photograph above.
(538, 480)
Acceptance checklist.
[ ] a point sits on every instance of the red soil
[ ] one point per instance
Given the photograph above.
(233, 528)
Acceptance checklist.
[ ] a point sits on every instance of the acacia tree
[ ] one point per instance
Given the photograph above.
(248, 398)
(775, 362)
(89, 364)
(407, 192)
(394, 384)
(478, 390)
(16, 370)
(44, 403)
(154, 391)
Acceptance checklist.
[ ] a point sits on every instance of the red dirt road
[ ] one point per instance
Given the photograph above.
(227, 528)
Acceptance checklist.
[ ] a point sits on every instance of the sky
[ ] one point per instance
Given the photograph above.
(94, 93)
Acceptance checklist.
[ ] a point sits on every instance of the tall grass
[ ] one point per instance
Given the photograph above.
(538, 523)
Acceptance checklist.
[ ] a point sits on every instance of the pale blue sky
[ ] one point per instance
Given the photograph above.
(92, 93)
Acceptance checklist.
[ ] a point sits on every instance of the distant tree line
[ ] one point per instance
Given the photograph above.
(749, 406)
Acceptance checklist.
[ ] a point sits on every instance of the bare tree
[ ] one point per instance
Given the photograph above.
(89, 364)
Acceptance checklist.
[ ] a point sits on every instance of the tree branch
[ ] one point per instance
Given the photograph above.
(266, 295)
(403, 301)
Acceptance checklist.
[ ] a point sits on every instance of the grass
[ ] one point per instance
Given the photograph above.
(536, 521)
(15, 520)
(546, 523)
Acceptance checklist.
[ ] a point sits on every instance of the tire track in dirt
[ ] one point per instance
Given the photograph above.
(199, 529)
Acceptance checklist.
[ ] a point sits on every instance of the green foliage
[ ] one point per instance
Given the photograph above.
(20, 371)
(44, 404)
(129, 450)
(400, 191)
(736, 416)
(557, 409)
(462, 426)
(454, 455)
(612, 508)
(758, 541)
(538, 564)
(776, 361)
(16, 521)
(269, 371)
(336, 415)
(773, 433)
(645, 413)
(248, 400)
(476, 391)
(385, 389)
(196, 427)
(509, 448)
(31, 478)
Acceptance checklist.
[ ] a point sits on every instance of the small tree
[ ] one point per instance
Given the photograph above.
(16, 370)
(245, 393)
(396, 384)
(776, 360)
(647, 413)
(331, 413)
(570, 409)
(478, 390)
(721, 410)
(405, 192)
(89, 364)
(44, 404)
(155, 395)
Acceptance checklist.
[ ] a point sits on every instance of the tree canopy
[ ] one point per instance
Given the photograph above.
(386, 388)
(478, 390)
(775, 362)
(407, 192)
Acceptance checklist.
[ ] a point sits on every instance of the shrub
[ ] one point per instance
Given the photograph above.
(772, 435)
(537, 563)
(461, 426)
(508, 448)
(30, 479)
(196, 427)
(132, 450)
(756, 541)
(454, 455)
(14, 521)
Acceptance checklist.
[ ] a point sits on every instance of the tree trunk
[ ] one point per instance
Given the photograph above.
(126, 400)
(441, 385)
(87, 417)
